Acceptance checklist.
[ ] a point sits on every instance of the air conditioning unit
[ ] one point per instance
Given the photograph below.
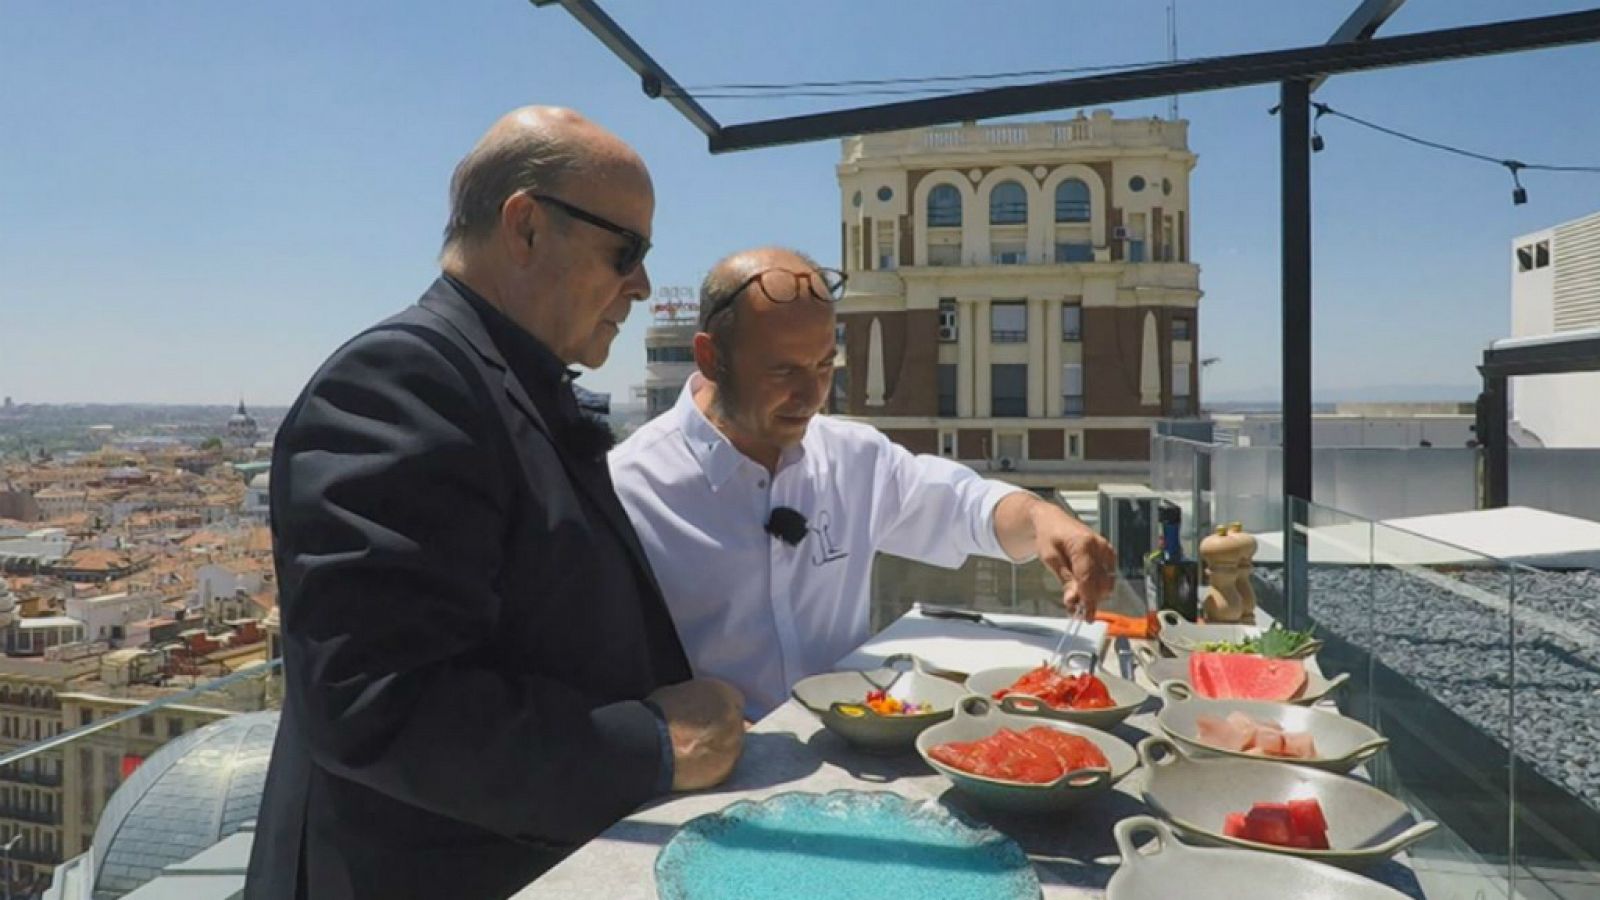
(947, 332)
(1119, 233)
(1007, 464)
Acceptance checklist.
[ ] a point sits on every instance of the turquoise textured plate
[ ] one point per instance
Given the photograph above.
(844, 844)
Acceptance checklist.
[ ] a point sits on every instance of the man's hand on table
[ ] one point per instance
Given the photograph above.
(1083, 560)
(706, 720)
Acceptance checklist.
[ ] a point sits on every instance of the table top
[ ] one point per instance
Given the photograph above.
(789, 750)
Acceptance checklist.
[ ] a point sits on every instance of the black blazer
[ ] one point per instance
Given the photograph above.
(469, 624)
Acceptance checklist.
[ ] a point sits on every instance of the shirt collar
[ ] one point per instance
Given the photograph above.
(716, 455)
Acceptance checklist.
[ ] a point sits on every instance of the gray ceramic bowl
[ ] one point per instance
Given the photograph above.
(1342, 744)
(1160, 670)
(1167, 869)
(1125, 694)
(1365, 825)
(978, 717)
(1182, 637)
(838, 699)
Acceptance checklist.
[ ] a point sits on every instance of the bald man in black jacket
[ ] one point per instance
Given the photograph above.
(480, 671)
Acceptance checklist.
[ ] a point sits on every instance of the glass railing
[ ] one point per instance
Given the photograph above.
(148, 768)
(1180, 471)
(1484, 675)
(1384, 482)
(989, 585)
(1555, 716)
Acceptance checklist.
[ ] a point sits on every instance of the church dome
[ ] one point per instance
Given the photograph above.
(187, 796)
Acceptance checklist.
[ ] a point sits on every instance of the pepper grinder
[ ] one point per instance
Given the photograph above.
(1229, 555)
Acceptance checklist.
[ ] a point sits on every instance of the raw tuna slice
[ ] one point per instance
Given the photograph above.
(1299, 745)
(1224, 734)
(1073, 751)
(1015, 758)
(1268, 743)
(1244, 676)
(1039, 755)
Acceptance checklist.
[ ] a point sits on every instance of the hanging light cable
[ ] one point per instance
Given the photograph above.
(1519, 193)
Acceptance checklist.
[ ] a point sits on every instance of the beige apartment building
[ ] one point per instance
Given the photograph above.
(54, 798)
(1021, 296)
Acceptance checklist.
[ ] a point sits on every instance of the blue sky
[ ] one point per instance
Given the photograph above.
(200, 200)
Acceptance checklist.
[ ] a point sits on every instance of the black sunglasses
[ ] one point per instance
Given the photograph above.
(783, 286)
(638, 244)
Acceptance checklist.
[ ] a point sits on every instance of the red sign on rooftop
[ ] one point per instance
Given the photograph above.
(675, 305)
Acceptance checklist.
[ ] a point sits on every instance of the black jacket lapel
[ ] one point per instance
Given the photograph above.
(446, 302)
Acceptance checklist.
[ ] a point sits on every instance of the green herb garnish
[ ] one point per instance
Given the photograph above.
(1276, 642)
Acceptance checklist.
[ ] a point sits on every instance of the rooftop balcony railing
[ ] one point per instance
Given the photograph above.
(86, 766)
(1484, 673)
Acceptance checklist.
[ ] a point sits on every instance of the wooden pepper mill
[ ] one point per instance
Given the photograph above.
(1229, 556)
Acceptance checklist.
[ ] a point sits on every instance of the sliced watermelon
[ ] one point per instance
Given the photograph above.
(1245, 676)
(1269, 823)
(1298, 823)
(1307, 816)
(1202, 675)
(1234, 826)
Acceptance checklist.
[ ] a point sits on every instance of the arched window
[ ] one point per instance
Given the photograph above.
(1008, 204)
(944, 207)
(1072, 201)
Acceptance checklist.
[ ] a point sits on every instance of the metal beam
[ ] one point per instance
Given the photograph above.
(1159, 81)
(1294, 123)
(1362, 24)
(1494, 442)
(1545, 355)
(1578, 352)
(654, 79)
(1295, 299)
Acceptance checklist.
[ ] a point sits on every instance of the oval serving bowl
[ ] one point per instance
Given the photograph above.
(1159, 669)
(1125, 695)
(839, 700)
(1342, 744)
(1365, 825)
(1167, 868)
(978, 717)
(1182, 637)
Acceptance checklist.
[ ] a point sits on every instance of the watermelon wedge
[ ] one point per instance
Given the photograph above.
(1298, 823)
(1245, 676)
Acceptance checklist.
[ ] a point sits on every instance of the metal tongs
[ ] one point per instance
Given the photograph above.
(1059, 662)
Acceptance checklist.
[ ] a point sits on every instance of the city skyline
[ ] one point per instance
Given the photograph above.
(246, 195)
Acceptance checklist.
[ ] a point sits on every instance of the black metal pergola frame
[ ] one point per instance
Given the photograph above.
(1298, 71)
(1553, 354)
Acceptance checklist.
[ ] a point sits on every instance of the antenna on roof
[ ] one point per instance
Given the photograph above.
(1172, 53)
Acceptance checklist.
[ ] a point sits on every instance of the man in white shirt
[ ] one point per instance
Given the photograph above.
(761, 518)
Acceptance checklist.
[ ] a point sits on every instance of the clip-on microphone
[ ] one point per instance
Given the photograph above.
(787, 525)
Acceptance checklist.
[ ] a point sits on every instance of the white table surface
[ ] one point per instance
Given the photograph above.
(789, 750)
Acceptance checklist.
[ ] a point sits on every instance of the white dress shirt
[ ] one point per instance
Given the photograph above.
(753, 610)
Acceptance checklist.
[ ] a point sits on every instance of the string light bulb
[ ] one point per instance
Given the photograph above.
(1316, 136)
(1519, 194)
